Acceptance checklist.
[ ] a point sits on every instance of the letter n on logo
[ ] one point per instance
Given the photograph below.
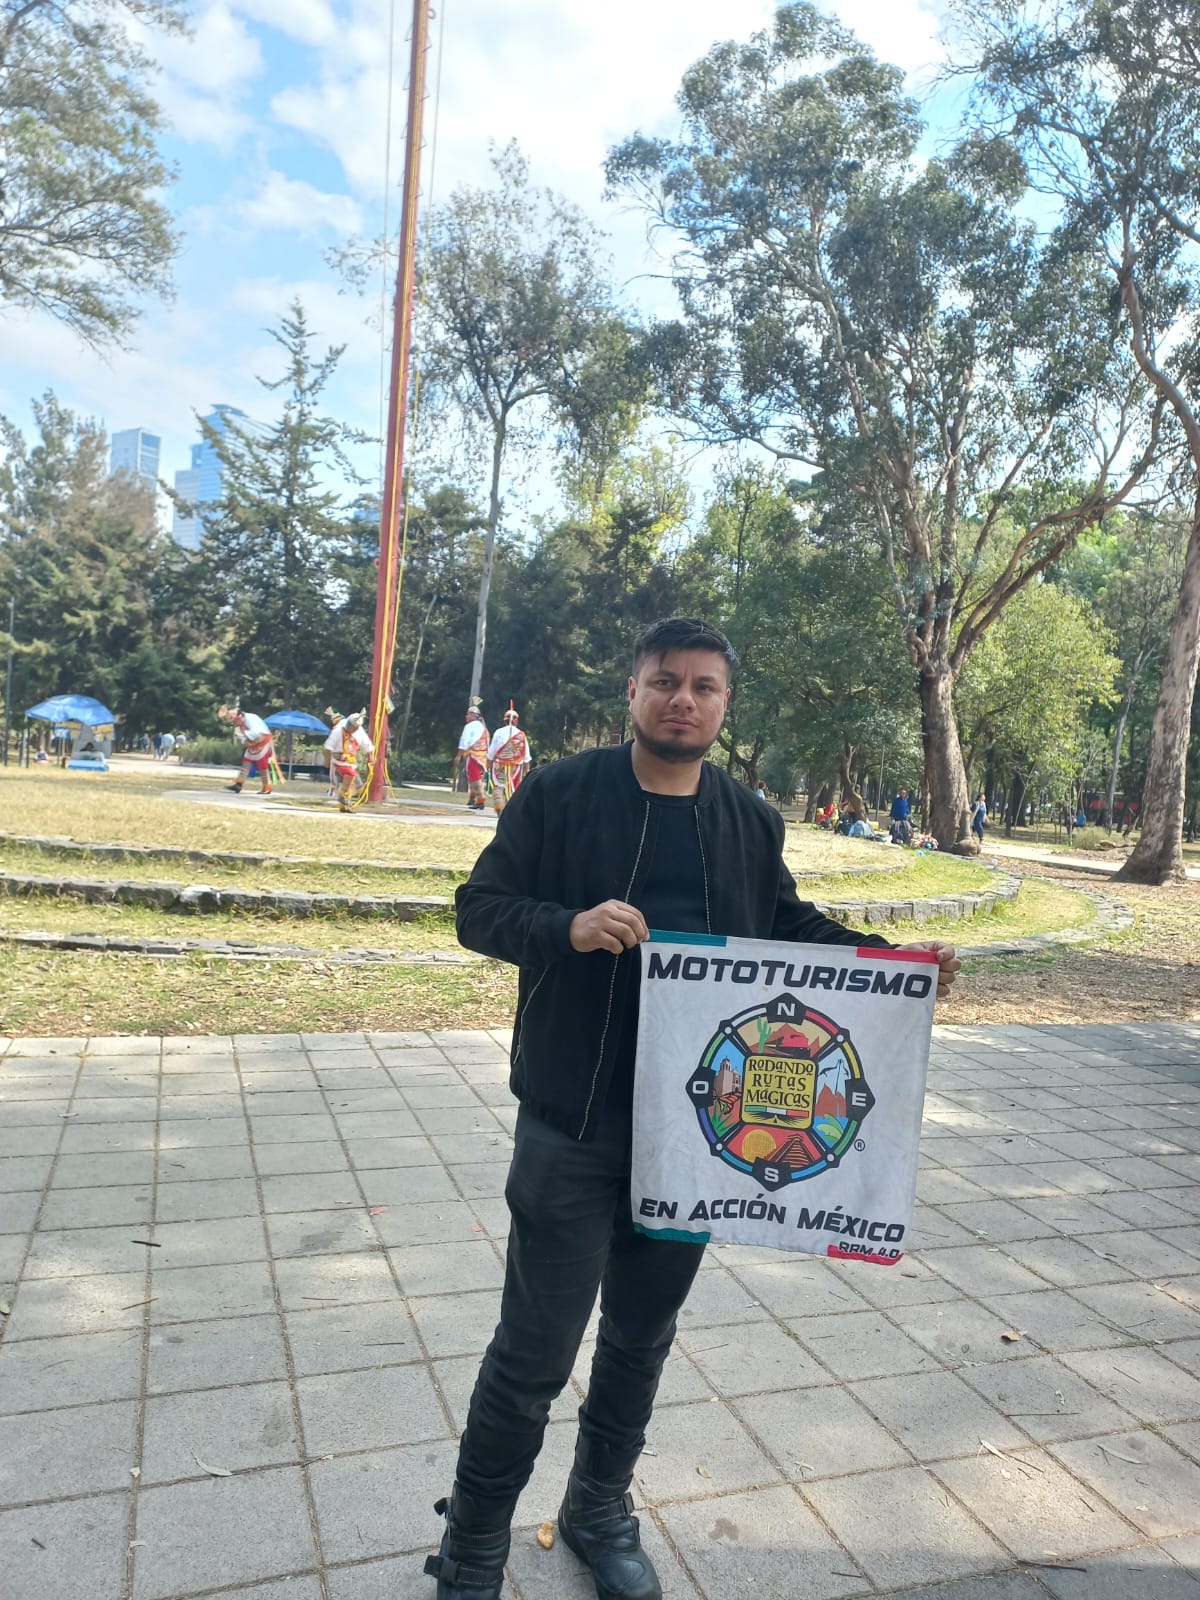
(784, 1008)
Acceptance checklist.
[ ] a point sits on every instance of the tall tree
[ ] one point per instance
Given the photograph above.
(888, 323)
(273, 540)
(104, 599)
(1105, 100)
(519, 334)
(84, 234)
(1131, 576)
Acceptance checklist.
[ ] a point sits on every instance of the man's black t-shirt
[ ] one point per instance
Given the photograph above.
(670, 897)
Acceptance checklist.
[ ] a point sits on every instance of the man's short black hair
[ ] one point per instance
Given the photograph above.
(681, 633)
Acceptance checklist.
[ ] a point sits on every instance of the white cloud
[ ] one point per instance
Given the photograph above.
(206, 75)
(296, 206)
(309, 21)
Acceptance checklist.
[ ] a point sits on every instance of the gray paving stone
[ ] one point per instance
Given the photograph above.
(381, 1502)
(18, 1211)
(29, 1140)
(1057, 1320)
(304, 1588)
(233, 1428)
(412, 1150)
(324, 1191)
(755, 1359)
(902, 1529)
(996, 1221)
(49, 1306)
(861, 1344)
(1185, 1436)
(1003, 1586)
(481, 1180)
(310, 1281)
(1065, 1262)
(1045, 1398)
(224, 1110)
(820, 1433)
(445, 1268)
(1187, 1553)
(24, 1172)
(704, 1434)
(935, 1414)
(201, 1133)
(295, 1102)
(756, 1544)
(457, 1324)
(981, 1269)
(221, 1531)
(341, 1338)
(1156, 1487)
(95, 1138)
(312, 1129)
(1147, 1311)
(78, 1450)
(1185, 1353)
(959, 1333)
(200, 1201)
(212, 1163)
(1141, 1574)
(1072, 1215)
(407, 1186)
(1146, 1255)
(436, 1222)
(187, 1294)
(44, 1549)
(279, 1160)
(1142, 1381)
(307, 1233)
(368, 1410)
(36, 1374)
(1039, 1511)
(204, 1355)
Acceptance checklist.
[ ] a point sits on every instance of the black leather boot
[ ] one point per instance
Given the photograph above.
(470, 1563)
(597, 1523)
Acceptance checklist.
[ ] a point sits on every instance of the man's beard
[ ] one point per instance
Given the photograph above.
(666, 749)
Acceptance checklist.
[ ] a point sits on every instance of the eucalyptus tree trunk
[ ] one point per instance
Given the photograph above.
(489, 560)
(948, 816)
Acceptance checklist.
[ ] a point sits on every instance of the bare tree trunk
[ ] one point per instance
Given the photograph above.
(815, 799)
(949, 814)
(1118, 740)
(489, 559)
(412, 677)
(1158, 854)
(846, 778)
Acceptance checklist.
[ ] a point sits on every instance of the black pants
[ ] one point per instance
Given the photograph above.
(572, 1233)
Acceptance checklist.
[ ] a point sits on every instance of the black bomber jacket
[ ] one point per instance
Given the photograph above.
(581, 831)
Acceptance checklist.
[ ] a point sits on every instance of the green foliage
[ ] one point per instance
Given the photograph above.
(104, 600)
(83, 233)
(286, 561)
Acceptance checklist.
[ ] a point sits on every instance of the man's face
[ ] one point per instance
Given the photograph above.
(677, 703)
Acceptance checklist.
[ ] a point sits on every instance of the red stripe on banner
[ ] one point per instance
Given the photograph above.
(878, 953)
(843, 1254)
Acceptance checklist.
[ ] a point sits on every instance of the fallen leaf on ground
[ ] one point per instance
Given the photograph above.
(216, 1472)
(5, 1308)
(704, 1472)
(545, 1536)
(375, 1210)
(1011, 1336)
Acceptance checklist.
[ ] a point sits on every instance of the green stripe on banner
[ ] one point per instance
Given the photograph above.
(657, 936)
(674, 1235)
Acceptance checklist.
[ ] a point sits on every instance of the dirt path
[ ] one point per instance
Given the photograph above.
(1151, 973)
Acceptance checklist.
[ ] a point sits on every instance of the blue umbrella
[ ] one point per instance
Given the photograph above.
(73, 708)
(297, 721)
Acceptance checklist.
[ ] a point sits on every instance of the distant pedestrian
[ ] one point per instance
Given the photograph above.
(901, 813)
(165, 746)
(979, 818)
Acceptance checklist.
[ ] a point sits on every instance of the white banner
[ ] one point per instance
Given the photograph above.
(778, 1093)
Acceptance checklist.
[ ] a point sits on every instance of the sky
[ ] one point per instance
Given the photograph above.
(278, 128)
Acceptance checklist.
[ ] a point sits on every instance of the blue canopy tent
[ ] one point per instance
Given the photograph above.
(84, 721)
(292, 723)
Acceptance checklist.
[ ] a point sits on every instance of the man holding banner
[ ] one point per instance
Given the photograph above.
(589, 856)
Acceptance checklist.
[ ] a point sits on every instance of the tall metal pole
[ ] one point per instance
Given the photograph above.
(387, 592)
(12, 613)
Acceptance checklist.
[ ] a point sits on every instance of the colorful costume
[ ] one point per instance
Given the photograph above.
(348, 741)
(259, 752)
(509, 756)
(473, 746)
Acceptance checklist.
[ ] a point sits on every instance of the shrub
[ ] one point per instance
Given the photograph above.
(412, 766)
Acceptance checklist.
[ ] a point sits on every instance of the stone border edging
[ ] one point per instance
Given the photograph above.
(237, 950)
(205, 899)
(1114, 916)
(217, 858)
(948, 907)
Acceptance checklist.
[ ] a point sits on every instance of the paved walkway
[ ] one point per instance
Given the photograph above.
(262, 1401)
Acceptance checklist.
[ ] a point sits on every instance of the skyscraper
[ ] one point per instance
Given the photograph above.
(135, 451)
(203, 481)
